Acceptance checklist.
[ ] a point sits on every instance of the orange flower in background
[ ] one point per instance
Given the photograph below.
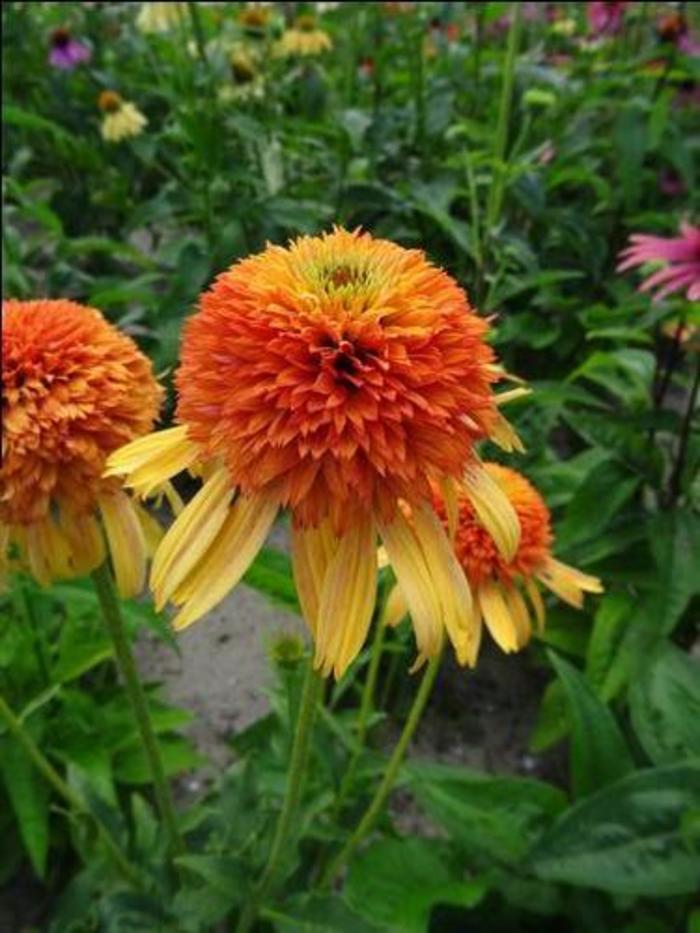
(74, 389)
(335, 378)
(499, 583)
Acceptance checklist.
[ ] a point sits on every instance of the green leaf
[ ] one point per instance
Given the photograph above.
(606, 666)
(628, 838)
(599, 754)
(271, 574)
(29, 797)
(488, 817)
(319, 915)
(131, 765)
(675, 543)
(397, 881)
(665, 705)
(596, 502)
(553, 722)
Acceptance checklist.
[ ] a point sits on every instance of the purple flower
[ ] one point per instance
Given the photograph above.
(605, 16)
(66, 53)
(681, 258)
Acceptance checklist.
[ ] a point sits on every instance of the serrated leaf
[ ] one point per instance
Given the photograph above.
(599, 754)
(628, 838)
(665, 705)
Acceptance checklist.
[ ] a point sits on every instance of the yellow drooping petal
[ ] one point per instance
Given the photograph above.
(231, 553)
(312, 552)
(395, 607)
(449, 582)
(504, 434)
(85, 539)
(448, 488)
(190, 536)
(493, 509)
(535, 598)
(408, 562)
(519, 613)
(347, 598)
(568, 583)
(497, 616)
(152, 529)
(148, 462)
(503, 398)
(48, 551)
(127, 542)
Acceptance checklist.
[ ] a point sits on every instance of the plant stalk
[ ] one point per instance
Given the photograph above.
(677, 475)
(366, 705)
(374, 809)
(114, 622)
(53, 778)
(495, 201)
(295, 785)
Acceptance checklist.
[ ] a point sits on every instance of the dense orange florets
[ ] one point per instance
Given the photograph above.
(475, 547)
(341, 372)
(74, 389)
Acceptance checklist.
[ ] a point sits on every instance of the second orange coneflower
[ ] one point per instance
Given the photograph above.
(338, 377)
(506, 589)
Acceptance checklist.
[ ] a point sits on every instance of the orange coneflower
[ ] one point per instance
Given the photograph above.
(497, 581)
(74, 389)
(334, 377)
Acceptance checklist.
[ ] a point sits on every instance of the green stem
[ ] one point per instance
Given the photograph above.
(373, 811)
(365, 709)
(114, 622)
(52, 777)
(295, 784)
(677, 475)
(501, 136)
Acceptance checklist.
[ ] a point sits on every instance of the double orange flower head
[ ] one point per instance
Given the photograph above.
(74, 389)
(343, 378)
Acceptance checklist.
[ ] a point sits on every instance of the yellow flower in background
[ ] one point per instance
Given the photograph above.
(122, 119)
(160, 17)
(74, 389)
(246, 80)
(337, 377)
(500, 583)
(303, 39)
(255, 19)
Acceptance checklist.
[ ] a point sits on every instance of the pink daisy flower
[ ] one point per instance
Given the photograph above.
(605, 16)
(66, 52)
(681, 256)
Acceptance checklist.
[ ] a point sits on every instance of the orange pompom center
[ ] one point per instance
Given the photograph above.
(341, 372)
(475, 547)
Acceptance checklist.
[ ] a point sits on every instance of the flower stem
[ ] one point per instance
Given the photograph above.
(295, 784)
(373, 811)
(677, 475)
(495, 201)
(365, 709)
(114, 622)
(64, 790)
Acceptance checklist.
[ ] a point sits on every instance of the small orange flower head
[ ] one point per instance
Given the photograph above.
(476, 549)
(498, 582)
(338, 377)
(74, 389)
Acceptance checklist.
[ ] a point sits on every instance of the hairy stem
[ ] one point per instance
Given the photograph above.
(114, 622)
(376, 805)
(295, 785)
